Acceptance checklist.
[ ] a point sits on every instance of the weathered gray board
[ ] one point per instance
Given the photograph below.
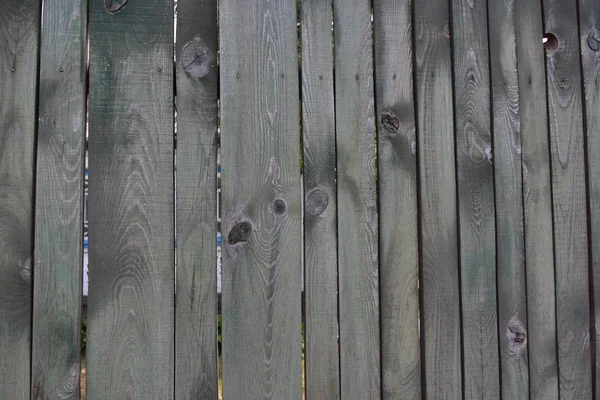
(59, 201)
(260, 144)
(130, 349)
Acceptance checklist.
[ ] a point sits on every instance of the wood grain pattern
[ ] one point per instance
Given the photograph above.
(440, 313)
(569, 201)
(59, 201)
(130, 349)
(537, 202)
(357, 201)
(19, 30)
(589, 34)
(398, 230)
(261, 200)
(320, 203)
(475, 180)
(512, 297)
(196, 374)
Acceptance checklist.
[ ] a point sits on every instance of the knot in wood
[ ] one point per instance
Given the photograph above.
(593, 40)
(390, 123)
(196, 59)
(316, 202)
(240, 232)
(112, 6)
(517, 336)
(279, 207)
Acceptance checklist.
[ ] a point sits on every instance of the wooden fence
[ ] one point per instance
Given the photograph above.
(433, 171)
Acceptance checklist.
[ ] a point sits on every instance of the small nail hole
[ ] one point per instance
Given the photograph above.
(550, 41)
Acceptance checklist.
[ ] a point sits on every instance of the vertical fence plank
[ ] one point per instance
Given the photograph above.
(261, 200)
(357, 201)
(196, 300)
(19, 29)
(512, 300)
(569, 199)
(59, 201)
(475, 180)
(440, 316)
(398, 230)
(589, 33)
(537, 202)
(131, 294)
(320, 211)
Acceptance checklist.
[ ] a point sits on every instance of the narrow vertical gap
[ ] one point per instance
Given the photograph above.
(377, 190)
(84, 285)
(421, 320)
(592, 305)
(337, 212)
(34, 193)
(219, 323)
(457, 198)
(175, 244)
(302, 230)
(492, 139)
(550, 161)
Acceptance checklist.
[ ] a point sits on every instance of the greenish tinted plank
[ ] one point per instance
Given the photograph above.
(569, 199)
(320, 211)
(475, 180)
(537, 203)
(130, 349)
(19, 30)
(357, 201)
(440, 313)
(512, 298)
(398, 231)
(589, 33)
(261, 200)
(196, 301)
(59, 201)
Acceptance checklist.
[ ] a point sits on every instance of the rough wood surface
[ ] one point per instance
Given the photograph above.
(569, 199)
(19, 30)
(260, 146)
(440, 313)
(357, 201)
(196, 374)
(589, 34)
(537, 202)
(59, 201)
(398, 230)
(320, 211)
(512, 299)
(475, 180)
(130, 349)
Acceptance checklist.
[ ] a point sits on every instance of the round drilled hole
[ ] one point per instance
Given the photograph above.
(550, 41)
